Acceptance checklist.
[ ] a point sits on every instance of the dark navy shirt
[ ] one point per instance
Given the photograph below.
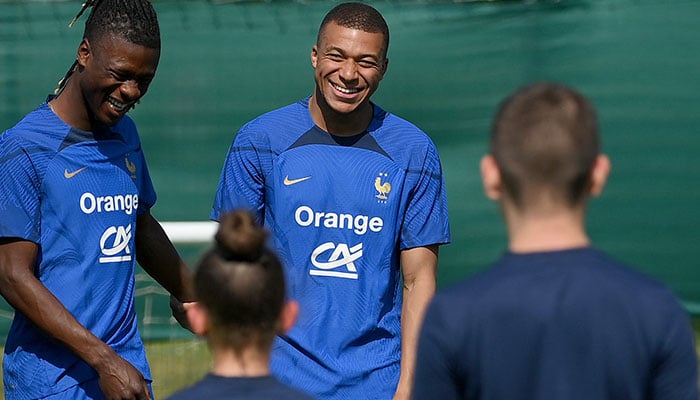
(557, 325)
(213, 387)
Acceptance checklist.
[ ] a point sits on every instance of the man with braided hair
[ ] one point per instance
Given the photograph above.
(74, 219)
(355, 201)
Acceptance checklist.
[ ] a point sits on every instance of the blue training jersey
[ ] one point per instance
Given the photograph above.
(76, 194)
(340, 209)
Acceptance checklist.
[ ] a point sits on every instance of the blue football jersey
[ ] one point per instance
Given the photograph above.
(340, 209)
(76, 194)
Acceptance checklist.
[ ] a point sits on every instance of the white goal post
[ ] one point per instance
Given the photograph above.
(190, 231)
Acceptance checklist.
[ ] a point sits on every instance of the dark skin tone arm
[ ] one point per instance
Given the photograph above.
(118, 379)
(157, 256)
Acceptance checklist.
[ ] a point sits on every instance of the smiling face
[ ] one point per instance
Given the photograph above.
(115, 74)
(349, 64)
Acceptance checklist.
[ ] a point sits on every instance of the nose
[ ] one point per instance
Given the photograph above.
(130, 90)
(348, 71)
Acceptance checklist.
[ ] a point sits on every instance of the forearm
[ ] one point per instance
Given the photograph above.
(29, 296)
(420, 269)
(415, 301)
(158, 257)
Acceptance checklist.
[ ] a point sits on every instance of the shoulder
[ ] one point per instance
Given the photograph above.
(126, 128)
(38, 136)
(394, 126)
(126, 124)
(39, 126)
(648, 290)
(583, 273)
(197, 390)
(290, 117)
(399, 136)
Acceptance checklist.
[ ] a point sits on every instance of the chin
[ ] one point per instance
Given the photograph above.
(342, 107)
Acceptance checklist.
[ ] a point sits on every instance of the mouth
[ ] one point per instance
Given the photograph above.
(344, 90)
(118, 106)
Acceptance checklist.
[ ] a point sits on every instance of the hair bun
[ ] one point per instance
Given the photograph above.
(239, 237)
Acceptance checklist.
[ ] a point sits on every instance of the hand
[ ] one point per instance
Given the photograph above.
(179, 311)
(119, 380)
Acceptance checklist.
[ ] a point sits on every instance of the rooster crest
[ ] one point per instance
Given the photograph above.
(130, 166)
(382, 188)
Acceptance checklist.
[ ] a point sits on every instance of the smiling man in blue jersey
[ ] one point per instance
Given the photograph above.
(355, 201)
(75, 217)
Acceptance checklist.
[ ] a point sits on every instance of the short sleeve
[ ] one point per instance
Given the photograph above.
(426, 220)
(675, 375)
(242, 182)
(19, 192)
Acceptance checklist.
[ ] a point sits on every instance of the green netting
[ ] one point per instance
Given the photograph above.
(451, 63)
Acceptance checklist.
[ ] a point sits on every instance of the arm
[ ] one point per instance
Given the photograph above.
(19, 286)
(675, 373)
(159, 258)
(419, 267)
(436, 376)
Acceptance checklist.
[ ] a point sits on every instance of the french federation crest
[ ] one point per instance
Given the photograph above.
(383, 187)
(130, 166)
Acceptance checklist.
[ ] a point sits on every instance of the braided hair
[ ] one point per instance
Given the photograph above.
(132, 20)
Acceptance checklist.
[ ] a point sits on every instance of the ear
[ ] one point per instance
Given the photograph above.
(491, 177)
(599, 174)
(199, 320)
(385, 67)
(288, 317)
(314, 56)
(84, 52)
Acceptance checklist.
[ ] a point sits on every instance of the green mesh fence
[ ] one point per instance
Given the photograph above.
(451, 63)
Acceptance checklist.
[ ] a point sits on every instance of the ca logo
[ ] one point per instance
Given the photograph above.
(341, 256)
(119, 250)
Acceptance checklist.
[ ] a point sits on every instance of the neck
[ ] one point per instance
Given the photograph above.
(548, 230)
(336, 123)
(70, 108)
(249, 362)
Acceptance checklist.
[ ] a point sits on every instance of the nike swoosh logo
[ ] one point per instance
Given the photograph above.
(288, 181)
(69, 175)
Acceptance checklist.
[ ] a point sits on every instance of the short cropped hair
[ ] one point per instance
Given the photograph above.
(545, 136)
(358, 16)
(240, 282)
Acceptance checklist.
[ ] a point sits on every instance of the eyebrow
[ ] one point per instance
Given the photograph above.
(339, 50)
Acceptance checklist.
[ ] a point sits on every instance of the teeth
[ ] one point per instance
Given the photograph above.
(344, 89)
(118, 106)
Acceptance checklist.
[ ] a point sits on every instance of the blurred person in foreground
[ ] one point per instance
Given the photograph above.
(554, 318)
(75, 217)
(355, 201)
(242, 306)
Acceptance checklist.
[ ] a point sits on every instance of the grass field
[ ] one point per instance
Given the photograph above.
(179, 363)
(174, 364)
